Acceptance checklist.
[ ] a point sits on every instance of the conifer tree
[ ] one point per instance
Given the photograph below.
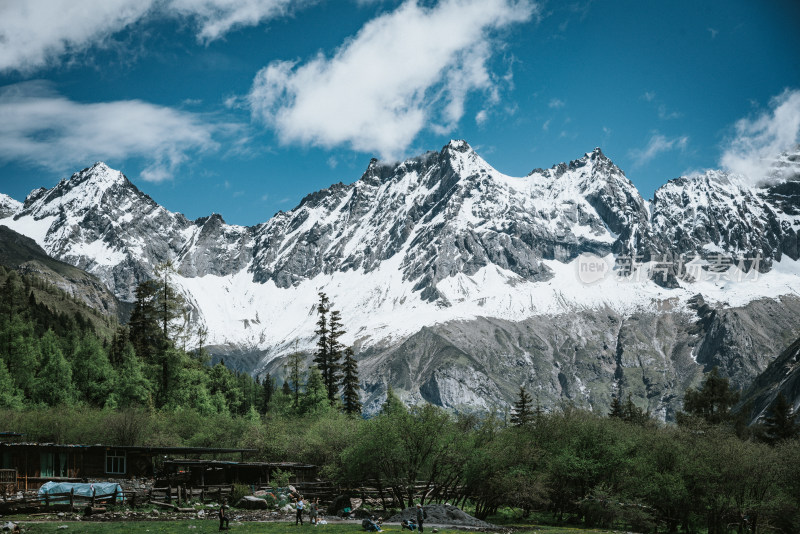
(392, 405)
(780, 423)
(522, 414)
(267, 390)
(335, 349)
(315, 398)
(145, 334)
(285, 388)
(616, 408)
(352, 402)
(294, 366)
(321, 357)
(713, 401)
(171, 304)
(54, 384)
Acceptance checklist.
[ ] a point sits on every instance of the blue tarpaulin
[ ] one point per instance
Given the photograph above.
(84, 489)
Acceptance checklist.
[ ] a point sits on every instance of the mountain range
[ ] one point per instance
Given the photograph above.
(458, 284)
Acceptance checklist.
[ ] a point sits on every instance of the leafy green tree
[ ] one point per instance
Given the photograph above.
(54, 385)
(131, 386)
(22, 352)
(10, 396)
(350, 386)
(392, 405)
(522, 414)
(91, 370)
(712, 401)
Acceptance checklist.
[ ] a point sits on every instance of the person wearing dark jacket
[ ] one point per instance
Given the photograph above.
(223, 517)
(421, 515)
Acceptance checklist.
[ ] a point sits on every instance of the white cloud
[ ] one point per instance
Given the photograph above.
(36, 33)
(481, 117)
(404, 71)
(33, 32)
(556, 103)
(658, 144)
(41, 127)
(758, 141)
(215, 18)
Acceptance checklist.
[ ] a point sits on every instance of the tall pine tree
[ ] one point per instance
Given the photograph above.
(352, 402)
(335, 349)
(522, 413)
(321, 357)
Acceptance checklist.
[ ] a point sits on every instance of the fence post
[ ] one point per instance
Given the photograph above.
(169, 494)
(72, 500)
(94, 494)
(47, 500)
(114, 496)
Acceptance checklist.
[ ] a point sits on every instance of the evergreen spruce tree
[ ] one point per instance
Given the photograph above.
(633, 414)
(315, 397)
(145, 334)
(780, 424)
(131, 387)
(171, 304)
(713, 401)
(522, 414)
(350, 387)
(321, 357)
(392, 405)
(616, 408)
(294, 368)
(335, 349)
(267, 390)
(285, 389)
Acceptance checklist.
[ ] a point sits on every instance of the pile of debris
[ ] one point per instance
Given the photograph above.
(442, 514)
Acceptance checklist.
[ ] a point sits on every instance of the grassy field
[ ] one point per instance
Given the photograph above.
(198, 526)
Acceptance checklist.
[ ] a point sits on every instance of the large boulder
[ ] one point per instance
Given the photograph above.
(250, 502)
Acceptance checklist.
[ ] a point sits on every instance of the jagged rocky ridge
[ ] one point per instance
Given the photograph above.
(437, 245)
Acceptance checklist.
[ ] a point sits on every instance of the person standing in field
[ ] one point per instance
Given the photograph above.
(421, 515)
(223, 516)
(313, 507)
(299, 507)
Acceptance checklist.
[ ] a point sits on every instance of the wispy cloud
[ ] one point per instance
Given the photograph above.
(404, 71)
(713, 32)
(556, 103)
(757, 141)
(658, 144)
(38, 33)
(663, 112)
(40, 127)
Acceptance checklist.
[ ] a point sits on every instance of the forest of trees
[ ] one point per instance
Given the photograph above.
(61, 381)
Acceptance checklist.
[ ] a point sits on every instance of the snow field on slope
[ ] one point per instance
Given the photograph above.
(380, 307)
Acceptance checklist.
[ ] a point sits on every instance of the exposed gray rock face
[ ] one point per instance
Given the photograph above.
(585, 357)
(781, 376)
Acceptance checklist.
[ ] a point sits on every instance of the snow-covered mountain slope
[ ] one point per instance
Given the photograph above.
(8, 206)
(445, 239)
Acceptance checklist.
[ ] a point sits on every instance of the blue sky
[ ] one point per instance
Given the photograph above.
(244, 107)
